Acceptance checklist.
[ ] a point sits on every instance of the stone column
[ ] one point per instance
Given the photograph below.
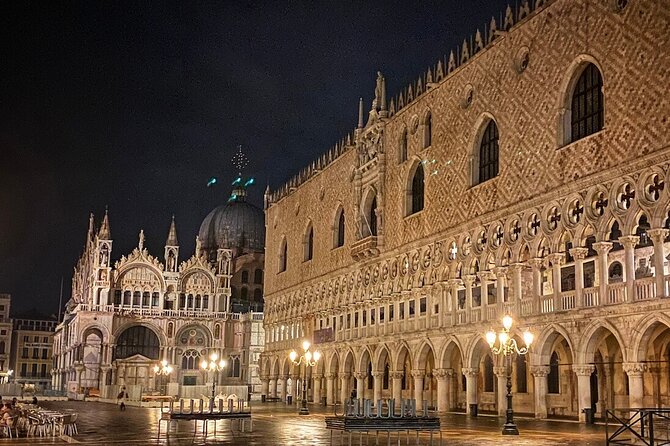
(453, 285)
(629, 242)
(557, 260)
(316, 390)
(442, 390)
(345, 391)
(540, 373)
(397, 386)
(296, 380)
(471, 384)
(330, 388)
(418, 376)
(635, 372)
(658, 238)
(378, 381)
(468, 281)
(282, 383)
(501, 400)
(485, 277)
(515, 271)
(583, 373)
(360, 384)
(501, 279)
(602, 248)
(536, 265)
(273, 386)
(265, 385)
(579, 254)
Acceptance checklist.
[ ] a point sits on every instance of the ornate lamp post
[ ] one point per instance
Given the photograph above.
(163, 370)
(309, 359)
(213, 365)
(507, 346)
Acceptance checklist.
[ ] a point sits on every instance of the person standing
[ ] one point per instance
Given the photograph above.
(121, 398)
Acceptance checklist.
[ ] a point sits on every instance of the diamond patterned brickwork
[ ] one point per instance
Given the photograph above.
(631, 49)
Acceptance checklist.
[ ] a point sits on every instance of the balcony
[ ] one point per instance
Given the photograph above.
(365, 248)
(127, 310)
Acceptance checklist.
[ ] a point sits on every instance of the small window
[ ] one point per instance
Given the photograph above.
(258, 276)
(309, 244)
(282, 256)
(411, 307)
(402, 147)
(391, 313)
(488, 153)
(427, 130)
(422, 305)
(245, 276)
(339, 235)
(587, 116)
(417, 190)
(401, 310)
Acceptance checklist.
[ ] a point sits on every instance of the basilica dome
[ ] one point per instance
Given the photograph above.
(236, 224)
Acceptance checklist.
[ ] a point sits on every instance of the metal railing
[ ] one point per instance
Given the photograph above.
(647, 427)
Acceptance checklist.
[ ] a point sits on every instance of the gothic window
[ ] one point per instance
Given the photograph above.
(521, 374)
(145, 299)
(372, 216)
(615, 272)
(258, 296)
(402, 147)
(642, 227)
(553, 378)
(488, 153)
(170, 329)
(205, 302)
(117, 297)
(587, 115)
(417, 191)
(137, 340)
(309, 243)
(282, 256)
(190, 360)
(198, 301)
(258, 276)
(488, 374)
(136, 298)
(217, 331)
(2, 347)
(245, 276)
(339, 229)
(189, 301)
(154, 299)
(182, 301)
(427, 130)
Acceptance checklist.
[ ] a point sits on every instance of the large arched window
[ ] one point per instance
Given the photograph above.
(553, 379)
(369, 214)
(309, 243)
(283, 251)
(338, 240)
(190, 360)
(258, 276)
(372, 216)
(402, 147)
(137, 340)
(488, 153)
(586, 110)
(416, 192)
(427, 130)
(245, 276)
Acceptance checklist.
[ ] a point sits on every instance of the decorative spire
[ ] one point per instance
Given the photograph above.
(172, 235)
(105, 233)
(360, 113)
(140, 245)
(91, 227)
(198, 246)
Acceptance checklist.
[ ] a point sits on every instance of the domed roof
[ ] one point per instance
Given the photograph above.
(236, 224)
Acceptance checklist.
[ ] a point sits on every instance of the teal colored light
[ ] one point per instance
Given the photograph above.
(237, 181)
(249, 182)
(211, 182)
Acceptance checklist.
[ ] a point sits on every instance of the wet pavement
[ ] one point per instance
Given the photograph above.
(277, 424)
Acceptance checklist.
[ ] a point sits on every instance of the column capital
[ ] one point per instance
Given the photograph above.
(634, 368)
(345, 375)
(377, 375)
(295, 376)
(470, 371)
(602, 248)
(360, 375)
(629, 241)
(396, 375)
(514, 267)
(556, 258)
(454, 282)
(500, 371)
(317, 376)
(487, 276)
(273, 377)
(536, 262)
(330, 375)
(501, 272)
(539, 370)
(469, 279)
(418, 373)
(283, 377)
(579, 253)
(658, 235)
(583, 369)
(442, 374)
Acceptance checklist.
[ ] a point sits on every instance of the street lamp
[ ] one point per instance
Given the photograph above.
(213, 365)
(309, 359)
(163, 370)
(508, 347)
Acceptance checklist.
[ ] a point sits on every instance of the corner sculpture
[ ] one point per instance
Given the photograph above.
(360, 417)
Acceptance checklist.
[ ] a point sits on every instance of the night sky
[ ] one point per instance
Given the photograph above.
(135, 105)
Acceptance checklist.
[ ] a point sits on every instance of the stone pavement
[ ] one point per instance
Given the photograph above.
(277, 424)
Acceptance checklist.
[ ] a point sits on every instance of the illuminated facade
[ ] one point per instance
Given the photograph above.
(524, 174)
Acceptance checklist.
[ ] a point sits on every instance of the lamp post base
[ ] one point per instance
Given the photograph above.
(510, 429)
(303, 408)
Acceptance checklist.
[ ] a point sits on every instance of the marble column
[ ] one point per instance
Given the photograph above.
(442, 390)
(361, 377)
(453, 285)
(273, 386)
(536, 266)
(468, 281)
(629, 242)
(579, 254)
(501, 397)
(316, 390)
(501, 280)
(658, 238)
(635, 372)
(345, 390)
(296, 387)
(583, 372)
(378, 381)
(418, 376)
(397, 386)
(602, 248)
(540, 373)
(283, 382)
(471, 386)
(265, 385)
(485, 277)
(330, 388)
(557, 260)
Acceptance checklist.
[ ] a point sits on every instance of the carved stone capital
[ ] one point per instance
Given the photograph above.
(629, 241)
(469, 279)
(470, 371)
(283, 377)
(634, 368)
(500, 371)
(345, 376)
(440, 374)
(540, 370)
(602, 248)
(536, 262)
(516, 267)
(378, 375)
(486, 276)
(579, 253)
(418, 373)
(557, 258)
(360, 375)
(329, 375)
(454, 282)
(583, 369)
(658, 235)
(396, 375)
(273, 377)
(294, 377)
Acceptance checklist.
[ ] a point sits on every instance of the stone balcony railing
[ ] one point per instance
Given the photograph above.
(365, 248)
(127, 310)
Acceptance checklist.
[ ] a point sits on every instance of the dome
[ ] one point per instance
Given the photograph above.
(237, 224)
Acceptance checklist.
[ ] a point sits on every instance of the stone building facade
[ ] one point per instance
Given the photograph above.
(6, 328)
(31, 353)
(124, 318)
(523, 174)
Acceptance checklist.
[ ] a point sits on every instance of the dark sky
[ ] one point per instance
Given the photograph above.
(135, 105)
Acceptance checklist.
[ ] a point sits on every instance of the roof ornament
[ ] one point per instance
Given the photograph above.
(140, 245)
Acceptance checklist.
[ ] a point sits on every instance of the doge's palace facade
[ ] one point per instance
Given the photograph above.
(526, 173)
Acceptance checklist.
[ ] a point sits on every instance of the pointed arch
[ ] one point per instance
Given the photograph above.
(283, 255)
(427, 125)
(485, 152)
(308, 242)
(593, 335)
(339, 225)
(415, 188)
(403, 145)
(369, 213)
(643, 333)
